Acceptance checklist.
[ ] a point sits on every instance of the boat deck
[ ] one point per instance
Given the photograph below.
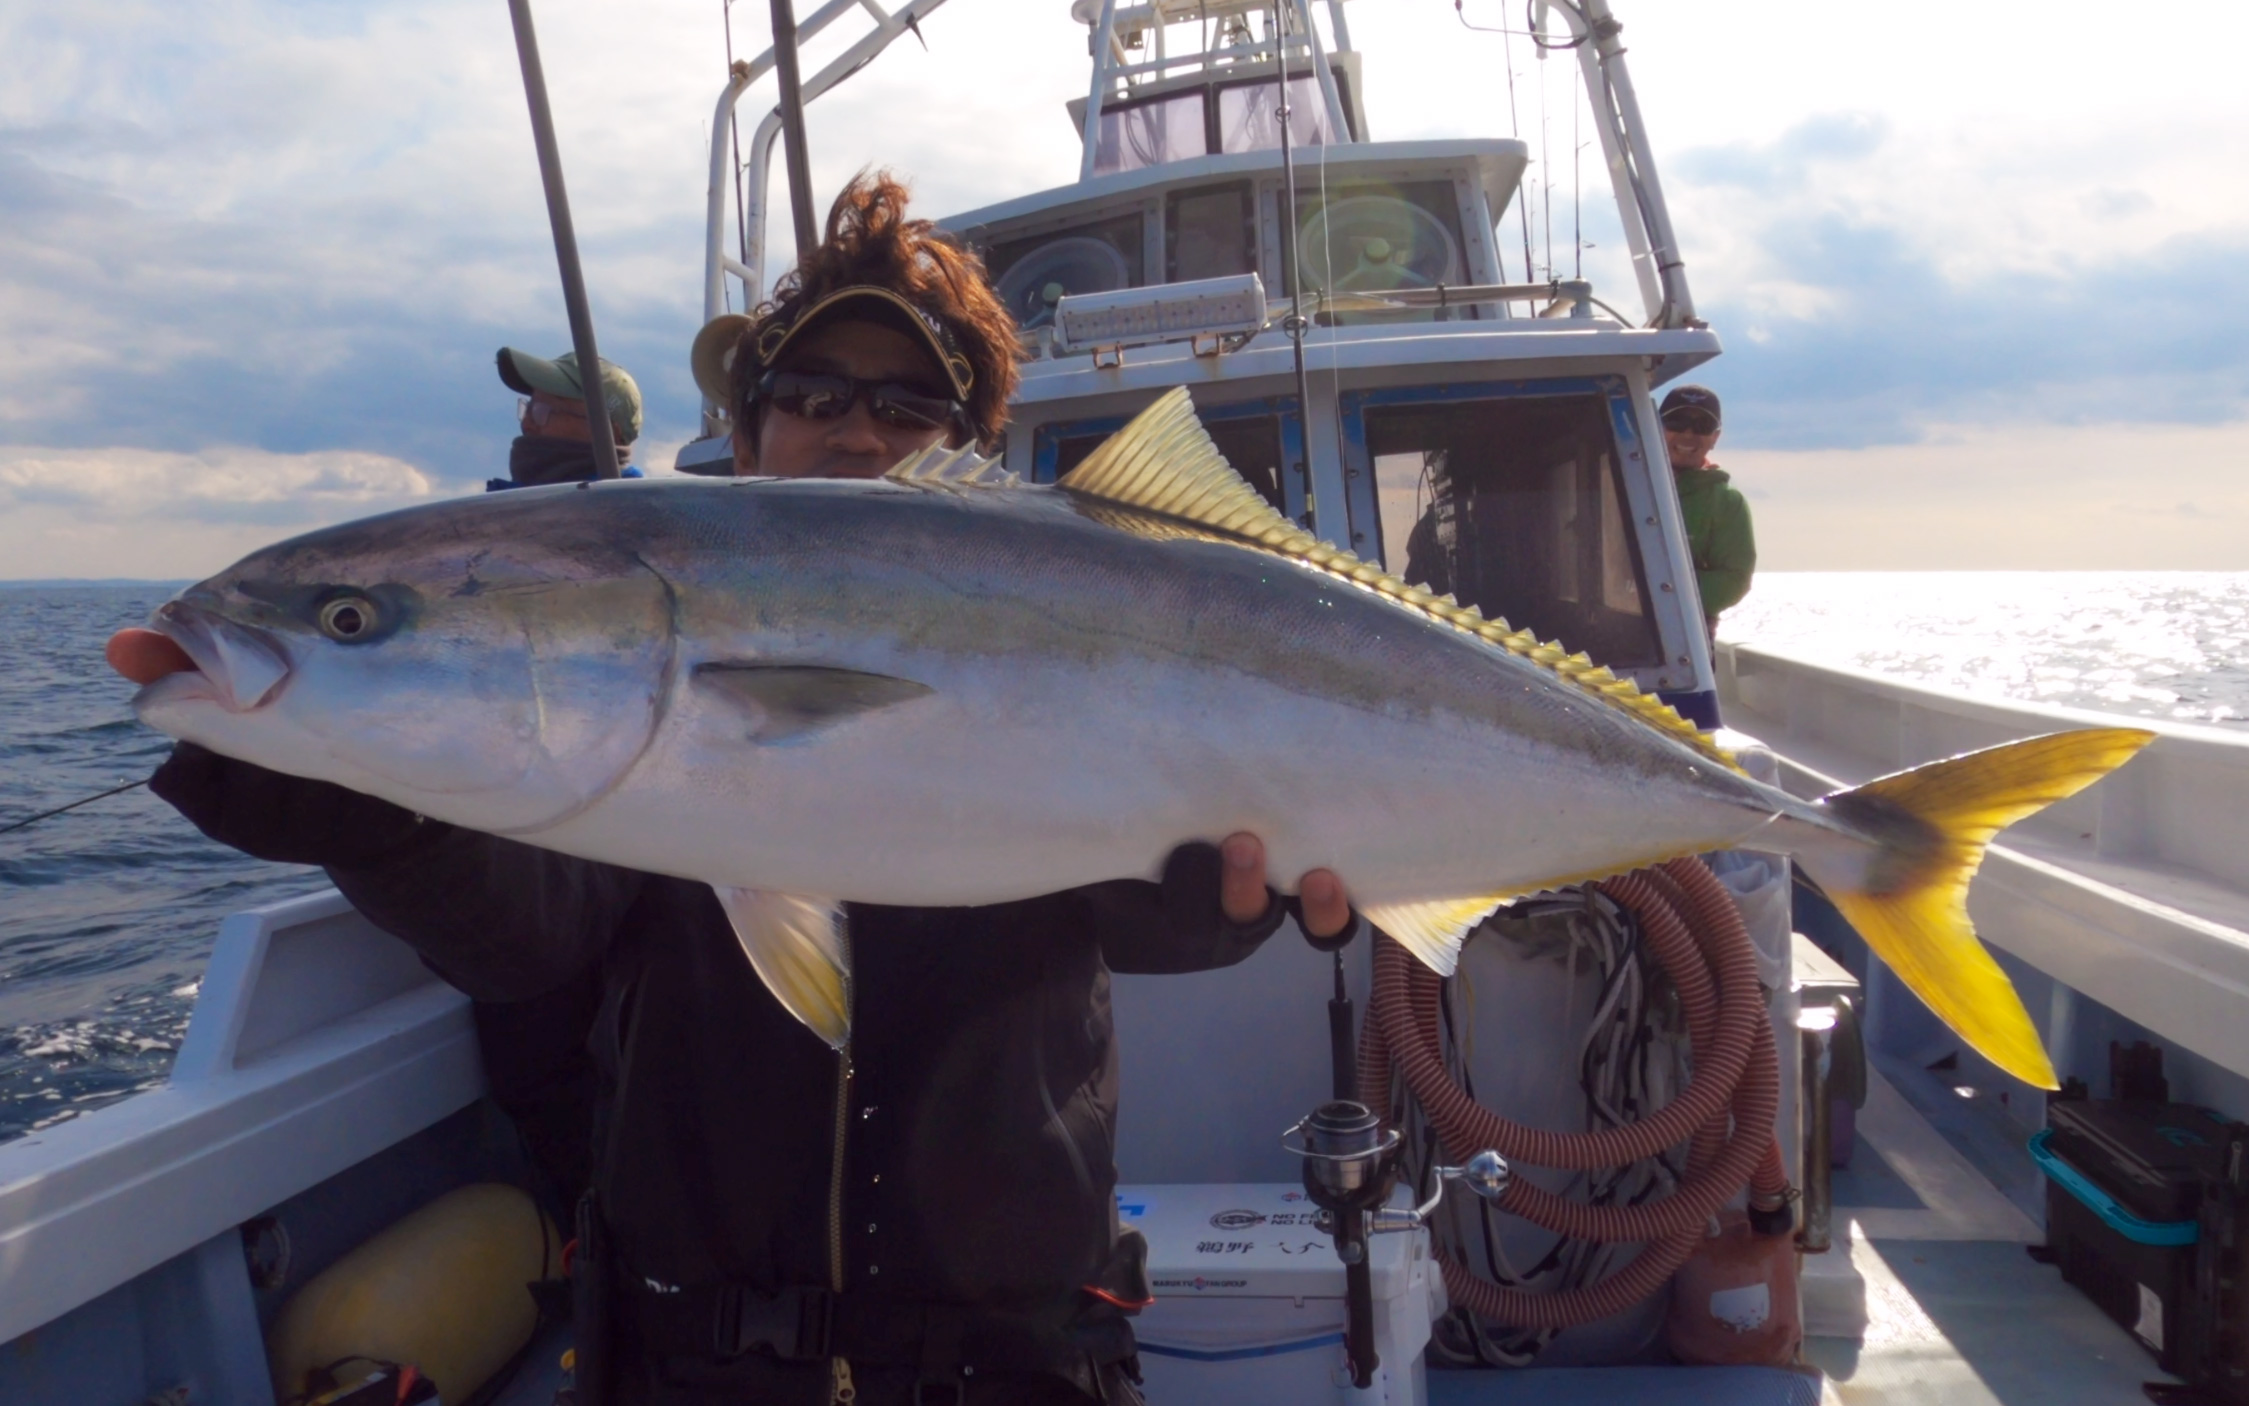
(1956, 1311)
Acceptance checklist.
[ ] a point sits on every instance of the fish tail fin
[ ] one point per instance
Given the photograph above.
(1909, 897)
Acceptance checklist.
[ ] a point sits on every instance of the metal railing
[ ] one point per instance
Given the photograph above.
(1298, 35)
(750, 269)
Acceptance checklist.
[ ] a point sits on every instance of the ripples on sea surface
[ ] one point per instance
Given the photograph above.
(2161, 644)
(107, 913)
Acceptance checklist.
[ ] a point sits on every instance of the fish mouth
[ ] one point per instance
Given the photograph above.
(239, 667)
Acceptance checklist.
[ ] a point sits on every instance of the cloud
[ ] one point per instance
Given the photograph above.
(304, 230)
(1853, 316)
(223, 484)
(2023, 497)
(68, 512)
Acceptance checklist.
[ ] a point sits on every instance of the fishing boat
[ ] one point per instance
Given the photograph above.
(1342, 313)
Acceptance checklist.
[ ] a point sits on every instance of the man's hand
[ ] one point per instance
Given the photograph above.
(1242, 890)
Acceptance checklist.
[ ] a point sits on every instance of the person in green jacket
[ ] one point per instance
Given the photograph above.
(1717, 516)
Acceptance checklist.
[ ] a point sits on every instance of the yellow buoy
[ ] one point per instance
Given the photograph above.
(441, 1290)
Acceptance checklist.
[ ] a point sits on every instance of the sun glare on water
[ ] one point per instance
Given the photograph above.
(2158, 644)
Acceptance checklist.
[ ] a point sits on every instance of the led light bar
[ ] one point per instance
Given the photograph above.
(1169, 312)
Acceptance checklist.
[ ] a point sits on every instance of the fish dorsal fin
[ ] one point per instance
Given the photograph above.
(939, 467)
(1165, 470)
(1164, 462)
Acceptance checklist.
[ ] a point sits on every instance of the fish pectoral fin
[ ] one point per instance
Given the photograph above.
(1433, 929)
(785, 701)
(796, 945)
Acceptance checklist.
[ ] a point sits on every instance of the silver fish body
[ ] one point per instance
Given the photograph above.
(947, 688)
(1092, 699)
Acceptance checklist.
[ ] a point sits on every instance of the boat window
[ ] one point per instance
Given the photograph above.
(1515, 505)
(1098, 256)
(1246, 120)
(1151, 133)
(1210, 233)
(1256, 437)
(1368, 238)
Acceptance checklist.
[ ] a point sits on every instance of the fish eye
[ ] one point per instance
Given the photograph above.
(347, 618)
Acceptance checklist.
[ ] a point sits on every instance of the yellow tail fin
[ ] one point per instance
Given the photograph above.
(1930, 826)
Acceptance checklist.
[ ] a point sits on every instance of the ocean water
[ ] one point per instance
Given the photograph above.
(107, 913)
(2159, 644)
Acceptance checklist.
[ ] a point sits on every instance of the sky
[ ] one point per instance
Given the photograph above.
(1981, 271)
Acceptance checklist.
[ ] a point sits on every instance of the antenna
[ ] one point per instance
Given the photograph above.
(1294, 323)
(598, 431)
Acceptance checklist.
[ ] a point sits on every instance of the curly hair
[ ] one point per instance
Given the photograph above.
(871, 241)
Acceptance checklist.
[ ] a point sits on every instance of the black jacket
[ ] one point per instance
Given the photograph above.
(979, 1118)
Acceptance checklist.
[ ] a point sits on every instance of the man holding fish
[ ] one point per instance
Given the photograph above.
(978, 717)
(930, 1204)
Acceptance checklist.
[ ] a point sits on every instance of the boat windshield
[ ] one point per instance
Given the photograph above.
(1513, 503)
(1258, 437)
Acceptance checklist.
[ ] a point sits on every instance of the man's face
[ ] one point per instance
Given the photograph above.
(1689, 436)
(854, 444)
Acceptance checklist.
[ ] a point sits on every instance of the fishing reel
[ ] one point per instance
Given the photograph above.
(1350, 1167)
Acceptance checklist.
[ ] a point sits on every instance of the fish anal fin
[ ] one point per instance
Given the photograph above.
(1434, 929)
(796, 945)
(1909, 899)
(783, 702)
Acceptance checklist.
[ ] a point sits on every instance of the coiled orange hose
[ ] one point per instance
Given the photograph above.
(1726, 1112)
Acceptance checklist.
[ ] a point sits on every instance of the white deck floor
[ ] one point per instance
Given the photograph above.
(1957, 1312)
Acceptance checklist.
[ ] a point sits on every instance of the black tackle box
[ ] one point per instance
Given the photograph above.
(2147, 1212)
(2125, 1180)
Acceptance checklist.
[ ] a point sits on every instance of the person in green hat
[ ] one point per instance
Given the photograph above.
(554, 447)
(1717, 516)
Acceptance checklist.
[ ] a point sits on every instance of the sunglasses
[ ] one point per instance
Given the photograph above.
(817, 395)
(1690, 422)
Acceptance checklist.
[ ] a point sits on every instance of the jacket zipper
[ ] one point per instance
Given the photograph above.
(841, 1391)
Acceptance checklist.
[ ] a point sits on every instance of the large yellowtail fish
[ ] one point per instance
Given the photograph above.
(947, 687)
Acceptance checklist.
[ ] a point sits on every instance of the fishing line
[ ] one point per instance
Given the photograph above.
(1294, 324)
(1327, 294)
(1577, 185)
(1545, 158)
(1514, 130)
(87, 801)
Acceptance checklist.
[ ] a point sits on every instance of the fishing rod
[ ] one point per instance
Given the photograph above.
(798, 160)
(598, 430)
(84, 801)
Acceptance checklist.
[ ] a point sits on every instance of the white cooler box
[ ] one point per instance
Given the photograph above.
(1249, 1300)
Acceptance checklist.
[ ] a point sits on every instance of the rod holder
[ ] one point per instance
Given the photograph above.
(1815, 1028)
